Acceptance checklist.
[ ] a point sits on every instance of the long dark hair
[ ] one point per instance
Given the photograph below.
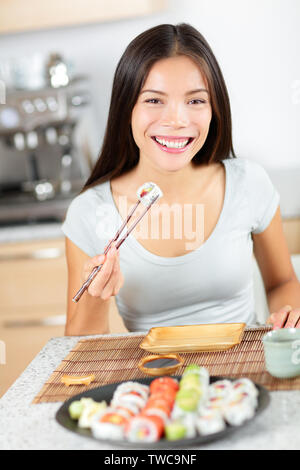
(119, 152)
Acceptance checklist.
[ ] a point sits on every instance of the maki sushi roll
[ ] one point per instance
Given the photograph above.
(132, 387)
(201, 372)
(210, 422)
(245, 385)
(130, 393)
(128, 398)
(181, 428)
(187, 400)
(163, 384)
(192, 391)
(221, 389)
(149, 192)
(161, 399)
(214, 404)
(109, 424)
(239, 410)
(90, 409)
(84, 410)
(143, 428)
(175, 430)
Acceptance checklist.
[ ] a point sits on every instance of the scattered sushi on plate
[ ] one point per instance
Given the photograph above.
(169, 408)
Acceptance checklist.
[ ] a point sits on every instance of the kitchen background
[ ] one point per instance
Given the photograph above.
(57, 61)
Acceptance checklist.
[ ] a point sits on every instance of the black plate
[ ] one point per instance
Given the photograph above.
(106, 393)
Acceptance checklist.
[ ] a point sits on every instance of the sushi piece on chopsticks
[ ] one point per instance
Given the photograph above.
(148, 193)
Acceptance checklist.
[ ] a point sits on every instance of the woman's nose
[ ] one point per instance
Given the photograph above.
(175, 116)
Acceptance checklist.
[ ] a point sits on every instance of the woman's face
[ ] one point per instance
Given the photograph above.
(170, 120)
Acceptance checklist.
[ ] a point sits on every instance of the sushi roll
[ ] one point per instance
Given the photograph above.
(238, 411)
(109, 424)
(168, 397)
(149, 192)
(107, 431)
(163, 384)
(90, 409)
(201, 372)
(142, 428)
(189, 422)
(214, 405)
(187, 399)
(132, 387)
(156, 411)
(76, 407)
(84, 409)
(221, 388)
(123, 399)
(175, 430)
(129, 409)
(245, 385)
(210, 423)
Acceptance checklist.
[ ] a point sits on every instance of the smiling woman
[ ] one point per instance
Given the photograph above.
(183, 108)
(170, 123)
(120, 152)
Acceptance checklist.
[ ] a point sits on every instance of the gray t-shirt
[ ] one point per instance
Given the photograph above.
(211, 284)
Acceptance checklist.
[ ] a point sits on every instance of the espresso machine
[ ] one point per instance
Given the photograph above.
(41, 166)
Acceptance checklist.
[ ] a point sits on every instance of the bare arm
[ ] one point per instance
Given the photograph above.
(90, 315)
(280, 280)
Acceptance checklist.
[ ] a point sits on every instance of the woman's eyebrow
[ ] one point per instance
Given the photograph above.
(163, 93)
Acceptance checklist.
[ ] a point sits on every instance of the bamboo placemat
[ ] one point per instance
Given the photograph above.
(115, 359)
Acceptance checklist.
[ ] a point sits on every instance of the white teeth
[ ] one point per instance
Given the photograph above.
(172, 144)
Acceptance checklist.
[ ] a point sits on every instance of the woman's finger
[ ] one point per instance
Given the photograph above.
(90, 264)
(293, 318)
(114, 283)
(97, 285)
(278, 318)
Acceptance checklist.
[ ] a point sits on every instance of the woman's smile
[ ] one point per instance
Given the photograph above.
(173, 144)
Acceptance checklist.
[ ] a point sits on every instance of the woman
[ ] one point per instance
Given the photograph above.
(169, 122)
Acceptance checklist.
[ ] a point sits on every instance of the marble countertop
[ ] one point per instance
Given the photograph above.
(28, 426)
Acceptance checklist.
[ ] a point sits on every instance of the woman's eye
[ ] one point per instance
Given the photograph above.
(197, 101)
(153, 100)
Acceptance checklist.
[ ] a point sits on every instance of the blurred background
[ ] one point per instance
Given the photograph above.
(57, 61)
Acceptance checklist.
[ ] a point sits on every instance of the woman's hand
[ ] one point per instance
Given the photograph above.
(109, 279)
(285, 317)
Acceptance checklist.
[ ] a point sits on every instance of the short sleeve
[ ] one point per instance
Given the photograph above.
(263, 198)
(77, 224)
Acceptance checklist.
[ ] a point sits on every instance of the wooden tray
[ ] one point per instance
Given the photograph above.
(191, 338)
